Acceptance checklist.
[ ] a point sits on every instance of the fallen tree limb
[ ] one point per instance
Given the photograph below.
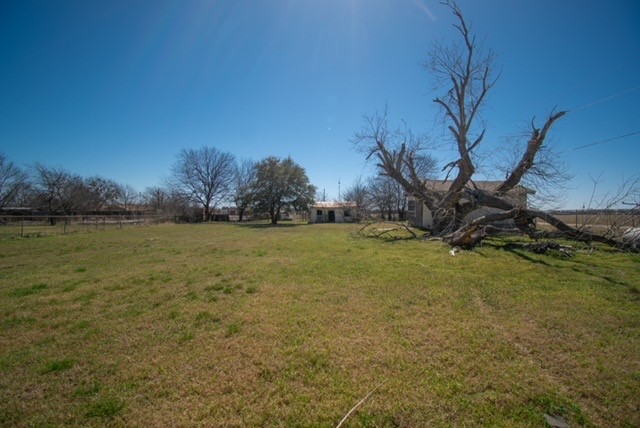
(359, 403)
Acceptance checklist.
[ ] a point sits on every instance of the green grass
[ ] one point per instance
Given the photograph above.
(252, 325)
(57, 366)
(104, 408)
(26, 291)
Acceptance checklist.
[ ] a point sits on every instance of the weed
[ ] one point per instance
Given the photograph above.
(57, 366)
(80, 325)
(26, 291)
(204, 317)
(88, 390)
(15, 321)
(214, 287)
(232, 329)
(106, 408)
(86, 297)
(186, 336)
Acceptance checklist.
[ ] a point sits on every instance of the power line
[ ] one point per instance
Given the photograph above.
(607, 140)
(605, 99)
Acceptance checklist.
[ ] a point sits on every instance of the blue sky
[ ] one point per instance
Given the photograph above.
(117, 88)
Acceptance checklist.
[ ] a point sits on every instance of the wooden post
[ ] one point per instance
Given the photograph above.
(22, 228)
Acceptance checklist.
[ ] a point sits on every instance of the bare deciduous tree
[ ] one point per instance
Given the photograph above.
(53, 187)
(58, 191)
(464, 73)
(128, 196)
(204, 176)
(243, 186)
(100, 193)
(156, 198)
(383, 195)
(358, 193)
(12, 181)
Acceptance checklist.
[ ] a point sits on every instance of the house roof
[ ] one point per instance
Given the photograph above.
(334, 204)
(443, 186)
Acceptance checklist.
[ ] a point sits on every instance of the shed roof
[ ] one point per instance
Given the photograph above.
(334, 204)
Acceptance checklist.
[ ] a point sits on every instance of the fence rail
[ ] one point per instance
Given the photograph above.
(605, 218)
(42, 225)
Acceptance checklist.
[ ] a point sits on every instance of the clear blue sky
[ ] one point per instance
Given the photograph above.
(117, 88)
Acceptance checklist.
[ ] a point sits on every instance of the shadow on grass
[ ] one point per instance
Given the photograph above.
(516, 249)
(262, 225)
(566, 263)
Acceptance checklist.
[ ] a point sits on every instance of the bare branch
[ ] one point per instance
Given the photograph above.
(528, 158)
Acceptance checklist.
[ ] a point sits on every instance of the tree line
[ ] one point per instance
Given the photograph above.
(379, 197)
(199, 181)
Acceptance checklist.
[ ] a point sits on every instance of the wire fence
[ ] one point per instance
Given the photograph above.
(41, 225)
(613, 222)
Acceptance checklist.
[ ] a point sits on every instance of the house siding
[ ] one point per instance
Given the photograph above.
(322, 213)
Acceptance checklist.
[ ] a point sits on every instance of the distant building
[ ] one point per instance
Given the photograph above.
(332, 212)
(420, 216)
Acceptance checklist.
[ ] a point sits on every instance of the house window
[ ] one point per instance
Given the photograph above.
(319, 213)
(411, 206)
(347, 213)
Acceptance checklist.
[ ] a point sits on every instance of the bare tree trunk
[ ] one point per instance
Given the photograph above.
(274, 213)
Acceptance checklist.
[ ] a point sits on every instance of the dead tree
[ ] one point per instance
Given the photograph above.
(466, 71)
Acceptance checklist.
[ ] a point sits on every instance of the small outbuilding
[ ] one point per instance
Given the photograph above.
(332, 212)
(419, 214)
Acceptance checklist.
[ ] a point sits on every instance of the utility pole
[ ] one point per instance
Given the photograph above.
(338, 189)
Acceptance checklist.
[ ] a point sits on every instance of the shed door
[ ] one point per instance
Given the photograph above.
(332, 216)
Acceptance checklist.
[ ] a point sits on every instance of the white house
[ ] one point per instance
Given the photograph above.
(332, 212)
(420, 216)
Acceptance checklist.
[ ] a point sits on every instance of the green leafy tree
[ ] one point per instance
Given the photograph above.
(281, 184)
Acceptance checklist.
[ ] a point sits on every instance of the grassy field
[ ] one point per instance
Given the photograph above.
(251, 325)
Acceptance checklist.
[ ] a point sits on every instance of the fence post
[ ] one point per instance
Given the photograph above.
(22, 228)
(64, 230)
